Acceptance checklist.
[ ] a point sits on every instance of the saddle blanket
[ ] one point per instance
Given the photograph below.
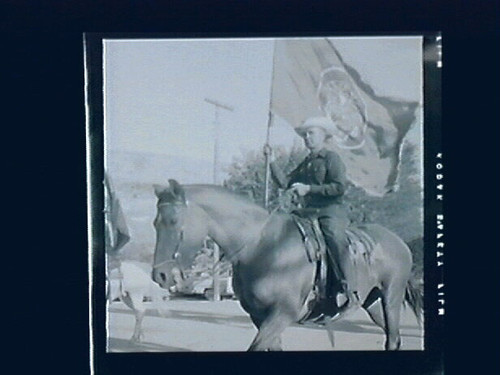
(360, 243)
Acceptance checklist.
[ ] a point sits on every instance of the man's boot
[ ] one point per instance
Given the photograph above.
(348, 298)
(345, 272)
(349, 286)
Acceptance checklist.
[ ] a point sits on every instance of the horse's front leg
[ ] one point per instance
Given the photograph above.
(276, 345)
(269, 336)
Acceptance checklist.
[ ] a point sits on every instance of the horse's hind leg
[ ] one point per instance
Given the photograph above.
(373, 306)
(376, 314)
(134, 301)
(391, 304)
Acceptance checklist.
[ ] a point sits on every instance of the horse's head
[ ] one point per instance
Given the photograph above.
(175, 247)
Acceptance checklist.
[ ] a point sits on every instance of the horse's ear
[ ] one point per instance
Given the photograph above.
(177, 190)
(160, 190)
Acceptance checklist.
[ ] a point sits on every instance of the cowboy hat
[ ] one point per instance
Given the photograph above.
(320, 122)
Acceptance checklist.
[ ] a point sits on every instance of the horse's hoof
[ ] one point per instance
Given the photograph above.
(136, 339)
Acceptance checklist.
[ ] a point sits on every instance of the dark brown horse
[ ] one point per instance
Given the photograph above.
(272, 276)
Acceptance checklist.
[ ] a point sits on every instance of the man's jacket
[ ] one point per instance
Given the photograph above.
(324, 171)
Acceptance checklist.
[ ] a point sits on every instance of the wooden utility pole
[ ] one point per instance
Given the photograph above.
(218, 105)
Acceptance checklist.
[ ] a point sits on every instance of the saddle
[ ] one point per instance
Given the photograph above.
(360, 245)
(315, 247)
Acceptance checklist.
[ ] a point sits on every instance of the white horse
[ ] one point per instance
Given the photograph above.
(130, 282)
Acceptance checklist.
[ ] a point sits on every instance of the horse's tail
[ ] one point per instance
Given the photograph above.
(414, 295)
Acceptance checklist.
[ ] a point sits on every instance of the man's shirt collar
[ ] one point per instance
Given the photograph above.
(320, 154)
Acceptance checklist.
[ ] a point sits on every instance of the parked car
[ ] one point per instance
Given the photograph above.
(203, 285)
(206, 288)
(198, 279)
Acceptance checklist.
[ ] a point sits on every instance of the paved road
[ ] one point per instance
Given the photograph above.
(198, 325)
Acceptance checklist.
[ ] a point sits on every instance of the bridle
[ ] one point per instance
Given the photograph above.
(176, 253)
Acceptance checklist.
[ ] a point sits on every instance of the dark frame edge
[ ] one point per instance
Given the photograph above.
(429, 361)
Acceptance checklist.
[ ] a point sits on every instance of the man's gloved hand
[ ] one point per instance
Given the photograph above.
(300, 189)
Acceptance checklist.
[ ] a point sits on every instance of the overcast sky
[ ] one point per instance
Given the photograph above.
(155, 91)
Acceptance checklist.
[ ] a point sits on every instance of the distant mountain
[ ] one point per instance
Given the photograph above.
(150, 168)
(133, 175)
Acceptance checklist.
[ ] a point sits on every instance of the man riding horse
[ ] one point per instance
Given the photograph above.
(319, 182)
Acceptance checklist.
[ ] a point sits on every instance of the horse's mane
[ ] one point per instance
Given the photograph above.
(204, 192)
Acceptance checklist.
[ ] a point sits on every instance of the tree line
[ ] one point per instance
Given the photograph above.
(400, 211)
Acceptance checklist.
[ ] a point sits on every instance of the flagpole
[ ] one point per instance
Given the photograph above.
(267, 154)
(268, 162)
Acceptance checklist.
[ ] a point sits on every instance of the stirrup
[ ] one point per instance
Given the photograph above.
(341, 299)
(351, 303)
(321, 319)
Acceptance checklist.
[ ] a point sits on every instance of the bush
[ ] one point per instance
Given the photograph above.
(400, 211)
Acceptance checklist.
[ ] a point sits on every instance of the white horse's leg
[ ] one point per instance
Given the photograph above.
(157, 295)
(134, 301)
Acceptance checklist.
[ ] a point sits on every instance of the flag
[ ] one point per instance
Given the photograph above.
(116, 230)
(310, 79)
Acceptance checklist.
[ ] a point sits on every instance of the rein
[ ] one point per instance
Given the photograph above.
(164, 262)
(175, 255)
(231, 258)
(186, 203)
